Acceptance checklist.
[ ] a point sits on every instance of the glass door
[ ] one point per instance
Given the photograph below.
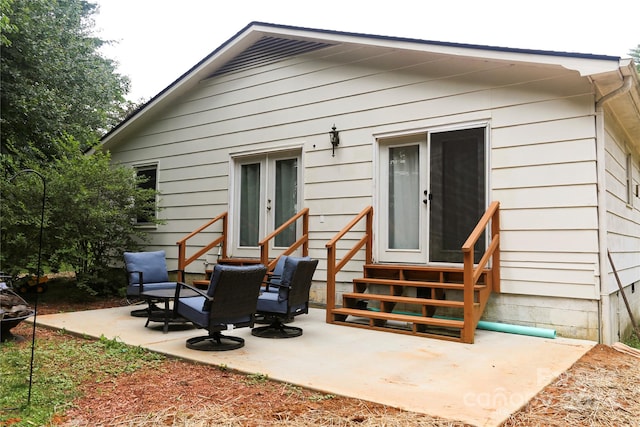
(266, 196)
(402, 231)
(432, 194)
(457, 196)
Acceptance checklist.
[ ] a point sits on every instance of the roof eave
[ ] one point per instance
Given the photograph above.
(584, 64)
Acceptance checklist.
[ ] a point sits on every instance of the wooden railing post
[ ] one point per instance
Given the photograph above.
(302, 241)
(468, 298)
(495, 234)
(369, 247)
(472, 272)
(183, 261)
(333, 267)
(225, 224)
(331, 282)
(305, 232)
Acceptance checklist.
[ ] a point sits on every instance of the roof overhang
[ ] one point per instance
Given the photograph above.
(618, 92)
(605, 71)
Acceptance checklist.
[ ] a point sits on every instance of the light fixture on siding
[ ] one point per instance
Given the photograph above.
(334, 137)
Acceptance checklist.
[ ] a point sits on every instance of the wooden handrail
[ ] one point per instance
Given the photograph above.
(183, 261)
(473, 272)
(333, 268)
(303, 240)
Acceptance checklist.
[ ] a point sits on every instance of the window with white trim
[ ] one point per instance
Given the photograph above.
(149, 174)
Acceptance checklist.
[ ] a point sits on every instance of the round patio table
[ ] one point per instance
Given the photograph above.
(167, 315)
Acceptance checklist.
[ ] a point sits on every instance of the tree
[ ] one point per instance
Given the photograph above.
(635, 54)
(58, 95)
(5, 23)
(90, 208)
(55, 83)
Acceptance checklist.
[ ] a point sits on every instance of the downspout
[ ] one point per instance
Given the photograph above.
(604, 318)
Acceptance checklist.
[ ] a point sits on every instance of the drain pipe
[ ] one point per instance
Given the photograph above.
(604, 308)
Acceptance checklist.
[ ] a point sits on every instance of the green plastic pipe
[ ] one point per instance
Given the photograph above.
(496, 326)
(517, 329)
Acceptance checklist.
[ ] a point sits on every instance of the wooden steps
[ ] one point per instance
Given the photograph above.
(444, 329)
(239, 261)
(352, 297)
(387, 286)
(406, 318)
(413, 283)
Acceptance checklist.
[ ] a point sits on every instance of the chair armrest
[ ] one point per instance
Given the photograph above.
(180, 285)
(270, 277)
(140, 279)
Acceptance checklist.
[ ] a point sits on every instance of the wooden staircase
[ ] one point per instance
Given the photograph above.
(439, 302)
(405, 298)
(380, 300)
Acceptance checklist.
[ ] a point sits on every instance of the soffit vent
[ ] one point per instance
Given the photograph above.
(268, 50)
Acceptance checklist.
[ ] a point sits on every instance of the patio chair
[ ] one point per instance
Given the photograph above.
(146, 271)
(230, 300)
(275, 276)
(292, 299)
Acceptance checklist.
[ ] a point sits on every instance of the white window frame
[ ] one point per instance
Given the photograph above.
(236, 159)
(142, 167)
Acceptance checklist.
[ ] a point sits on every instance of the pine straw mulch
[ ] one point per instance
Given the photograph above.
(600, 389)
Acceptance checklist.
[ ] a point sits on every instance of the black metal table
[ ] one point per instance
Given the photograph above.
(166, 315)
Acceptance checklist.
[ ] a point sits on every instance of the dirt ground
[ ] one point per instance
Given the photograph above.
(601, 389)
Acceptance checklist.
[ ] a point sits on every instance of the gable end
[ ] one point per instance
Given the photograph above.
(266, 51)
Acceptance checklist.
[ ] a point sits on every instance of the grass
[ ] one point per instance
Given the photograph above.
(58, 371)
(633, 341)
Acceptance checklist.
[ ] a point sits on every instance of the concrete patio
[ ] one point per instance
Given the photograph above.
(480, 384)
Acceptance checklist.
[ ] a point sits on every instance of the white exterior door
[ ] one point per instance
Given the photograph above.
(402, 213)
(432, 193)
(266, 195)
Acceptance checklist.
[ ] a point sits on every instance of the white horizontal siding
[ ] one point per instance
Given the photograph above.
(577, 218)
(546, 197)
(532, 277)
(541, 132)
(542, 141)
(566, 174)
(550, 289)
(544, 154)
(557, 241)
(623, 218)
(546, 258)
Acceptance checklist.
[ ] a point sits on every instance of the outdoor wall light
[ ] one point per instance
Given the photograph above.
(334, 137)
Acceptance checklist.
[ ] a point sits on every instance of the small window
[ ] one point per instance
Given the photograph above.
(149, 175)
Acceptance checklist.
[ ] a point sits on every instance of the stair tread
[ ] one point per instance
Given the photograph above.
(414, 283)
(403, 299)
(459, 324)
(239, 260)
(409, 267)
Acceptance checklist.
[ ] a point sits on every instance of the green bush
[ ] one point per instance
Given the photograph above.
(89, 216)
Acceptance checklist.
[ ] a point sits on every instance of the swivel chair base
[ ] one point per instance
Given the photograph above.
(276, 330)
(216, 342)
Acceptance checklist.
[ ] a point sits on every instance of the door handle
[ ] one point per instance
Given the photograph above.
(268, 204)
(426, 199)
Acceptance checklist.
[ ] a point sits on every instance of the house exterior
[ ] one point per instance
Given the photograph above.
(428, 134)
